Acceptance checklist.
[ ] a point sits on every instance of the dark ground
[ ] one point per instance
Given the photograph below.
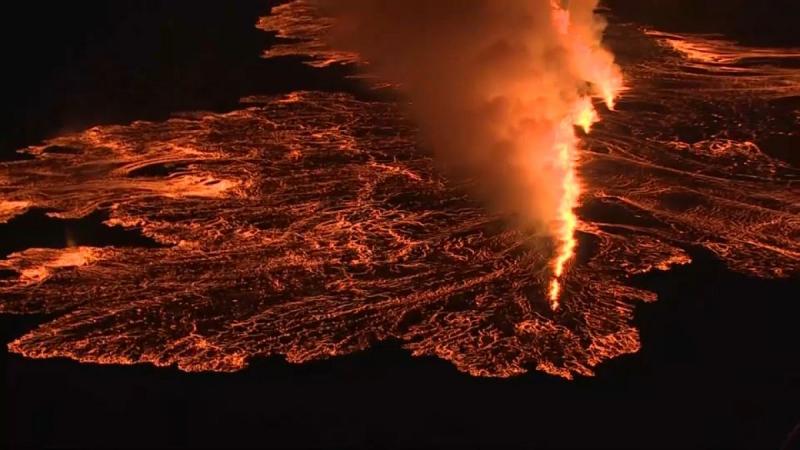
(719, 365)
(750, 22)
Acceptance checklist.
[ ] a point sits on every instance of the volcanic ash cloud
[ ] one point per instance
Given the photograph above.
(497, 88)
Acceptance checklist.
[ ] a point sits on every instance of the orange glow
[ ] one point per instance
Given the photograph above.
(586, 116)
(38, 264)
(10, 208)
(529, 99)
(314, 224)
(560, 17)
(593, 62)
(596, 65)
(567, 220)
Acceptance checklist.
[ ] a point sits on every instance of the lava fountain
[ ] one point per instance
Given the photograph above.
(496, 90)
(596, 65)
(313, 224)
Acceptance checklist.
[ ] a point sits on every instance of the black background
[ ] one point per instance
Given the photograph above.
(719, 363)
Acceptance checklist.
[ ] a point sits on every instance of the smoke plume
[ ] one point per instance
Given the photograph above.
(496, 87)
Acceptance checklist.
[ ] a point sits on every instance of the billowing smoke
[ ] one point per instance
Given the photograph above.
(496, 87)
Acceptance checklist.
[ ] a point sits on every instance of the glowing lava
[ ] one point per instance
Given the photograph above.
(596, 65)
(566, 147)
(312, 225)
(568, 222)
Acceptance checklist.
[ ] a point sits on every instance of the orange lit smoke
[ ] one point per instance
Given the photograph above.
(496, 88)
(596, 65)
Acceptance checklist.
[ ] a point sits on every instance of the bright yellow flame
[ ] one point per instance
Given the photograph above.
(610, 100)
(586, 115)
(567, 220)
(608, 87)
(596, 65)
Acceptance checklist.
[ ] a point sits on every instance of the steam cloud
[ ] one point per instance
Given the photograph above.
(496, 87)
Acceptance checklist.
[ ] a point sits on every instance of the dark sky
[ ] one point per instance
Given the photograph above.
(754, 22)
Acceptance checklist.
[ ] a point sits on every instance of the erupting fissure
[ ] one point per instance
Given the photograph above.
(597, 66)
(568, 221)
(497, 90)
(314, 224)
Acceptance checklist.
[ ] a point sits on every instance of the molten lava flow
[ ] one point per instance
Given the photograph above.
(313, 224)
(596, 65)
